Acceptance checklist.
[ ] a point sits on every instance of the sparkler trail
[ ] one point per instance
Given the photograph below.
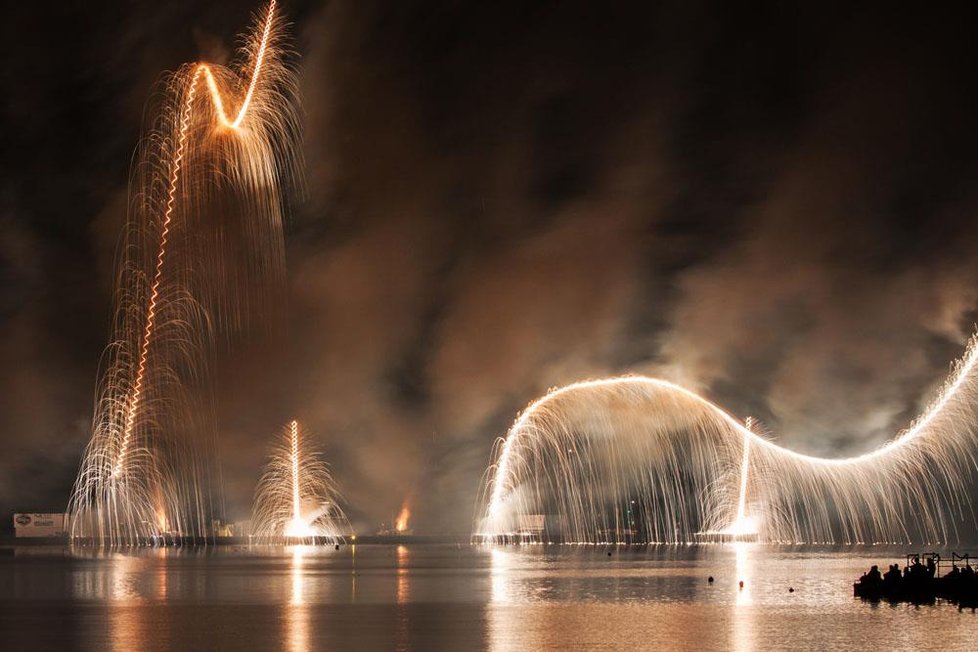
(202, 254)
(296, 497)
(582, 452)
(296, 503)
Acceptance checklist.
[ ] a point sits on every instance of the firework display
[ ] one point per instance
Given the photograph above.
(201, 256)
(637, 459)
(296, 498)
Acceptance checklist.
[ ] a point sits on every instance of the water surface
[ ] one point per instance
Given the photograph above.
(448, 597)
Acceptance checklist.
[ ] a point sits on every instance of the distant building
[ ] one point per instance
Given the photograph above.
(222, 528)
(39, 525)
(532, 524)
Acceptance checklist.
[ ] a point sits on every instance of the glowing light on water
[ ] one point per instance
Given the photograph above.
(403, 575)
(297, 597)
(183, 279)
(743, 571)
(580, 452)
(500, 570)
(298, 617)
(296, 497)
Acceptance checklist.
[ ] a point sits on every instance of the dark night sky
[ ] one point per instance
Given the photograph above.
(769, 203)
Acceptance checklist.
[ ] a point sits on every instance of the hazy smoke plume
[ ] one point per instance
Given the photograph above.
(774, 207)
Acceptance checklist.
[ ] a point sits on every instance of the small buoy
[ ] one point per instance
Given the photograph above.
(609, 554)
(791, 589)
(710, 579)
(337, 546)
(741, 583)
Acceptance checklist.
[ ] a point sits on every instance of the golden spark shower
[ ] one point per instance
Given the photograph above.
(200, 259)
(638, 459)
(296, 498)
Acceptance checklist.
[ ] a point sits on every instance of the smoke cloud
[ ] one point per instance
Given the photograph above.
(773, 207)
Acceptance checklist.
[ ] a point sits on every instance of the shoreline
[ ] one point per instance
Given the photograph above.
(11, 541)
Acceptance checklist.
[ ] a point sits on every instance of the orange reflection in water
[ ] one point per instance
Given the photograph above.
(297, 612)
(512, 626)
(548, 601)
(403, 596)
(743, 615)
(161, 574)
(403, 587)
(127, 626)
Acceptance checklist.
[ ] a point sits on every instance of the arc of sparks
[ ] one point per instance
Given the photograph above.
(913, 481)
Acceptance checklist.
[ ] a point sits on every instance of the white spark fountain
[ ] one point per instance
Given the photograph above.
(296, 499)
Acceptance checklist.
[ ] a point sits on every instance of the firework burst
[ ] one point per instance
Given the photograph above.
(201, 256)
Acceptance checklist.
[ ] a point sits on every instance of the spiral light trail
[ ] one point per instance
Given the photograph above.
(296, 503)
(218, 101)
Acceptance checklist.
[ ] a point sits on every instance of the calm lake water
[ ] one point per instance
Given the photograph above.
(447, 597)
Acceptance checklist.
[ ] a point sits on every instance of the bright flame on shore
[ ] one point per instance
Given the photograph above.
(201, 253)
(296, 497)
(585, 449)
(401, 522)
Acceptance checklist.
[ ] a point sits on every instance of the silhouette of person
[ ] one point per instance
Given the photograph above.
(892, 576)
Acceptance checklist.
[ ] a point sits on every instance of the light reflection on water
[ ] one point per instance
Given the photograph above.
(297, 622)
(402, 597)
(743, 625)
(124, 621)
(461, 597)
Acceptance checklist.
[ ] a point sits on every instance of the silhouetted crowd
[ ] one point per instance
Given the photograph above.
(919, 583)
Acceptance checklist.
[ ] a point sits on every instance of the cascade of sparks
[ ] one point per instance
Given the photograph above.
(202, 253)
(576, 455)
(296, 498)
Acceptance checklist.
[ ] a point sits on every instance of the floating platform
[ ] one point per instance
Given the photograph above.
(965, 595)
(923, 584)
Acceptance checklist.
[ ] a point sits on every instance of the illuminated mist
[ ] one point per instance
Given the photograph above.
(200, 257)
